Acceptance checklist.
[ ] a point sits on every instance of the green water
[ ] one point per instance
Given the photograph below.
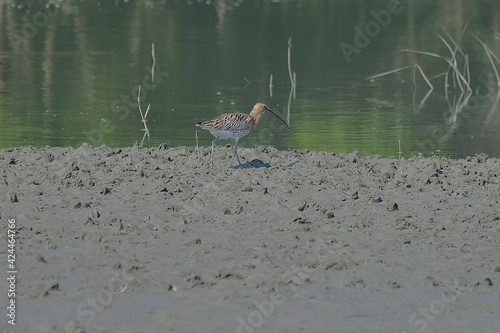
(69, 74)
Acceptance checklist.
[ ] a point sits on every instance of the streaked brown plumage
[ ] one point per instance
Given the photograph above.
(235, 126)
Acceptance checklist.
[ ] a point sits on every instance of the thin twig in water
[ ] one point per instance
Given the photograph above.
(457, 47)
(415, 67)
(271, 85)
(248, 82)
(460, 78)
(292, 80)
(446, 85)
(431, 87)
(294, 84)
(490, 55)
(288, 106)
(388, 72)
(453, 64)
(454, 52)
(457, 72)
(399, 152)
(196, 139)
(153, 66)
(467, 67)
(289, 60)
(424, 76)
(143, 117)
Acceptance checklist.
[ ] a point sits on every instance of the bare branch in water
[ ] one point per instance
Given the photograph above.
(143, 117)
(153, 67)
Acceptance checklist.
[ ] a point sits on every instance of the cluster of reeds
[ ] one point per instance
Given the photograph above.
(457, 77)
(457, 89)
(144, 115)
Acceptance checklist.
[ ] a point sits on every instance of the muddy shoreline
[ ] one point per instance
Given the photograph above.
(134, 240)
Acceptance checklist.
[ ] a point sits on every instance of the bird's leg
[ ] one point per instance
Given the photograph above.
(212, 154)
(236, 152)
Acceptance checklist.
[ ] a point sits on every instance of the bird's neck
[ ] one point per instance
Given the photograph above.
(256, 116)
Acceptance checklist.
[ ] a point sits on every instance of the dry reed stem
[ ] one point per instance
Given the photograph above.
(153, 66)
(387, 73)
(490, 55)
(431, 87)
(289, 61)
(196, 139)
(292, 80)
(288, 106)
(294, 84)
(271, 86)
(399, 151)
(143, 117)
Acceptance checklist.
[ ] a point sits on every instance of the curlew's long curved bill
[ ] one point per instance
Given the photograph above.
(279, 117)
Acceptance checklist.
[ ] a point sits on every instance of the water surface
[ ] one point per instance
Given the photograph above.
(69, 73)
